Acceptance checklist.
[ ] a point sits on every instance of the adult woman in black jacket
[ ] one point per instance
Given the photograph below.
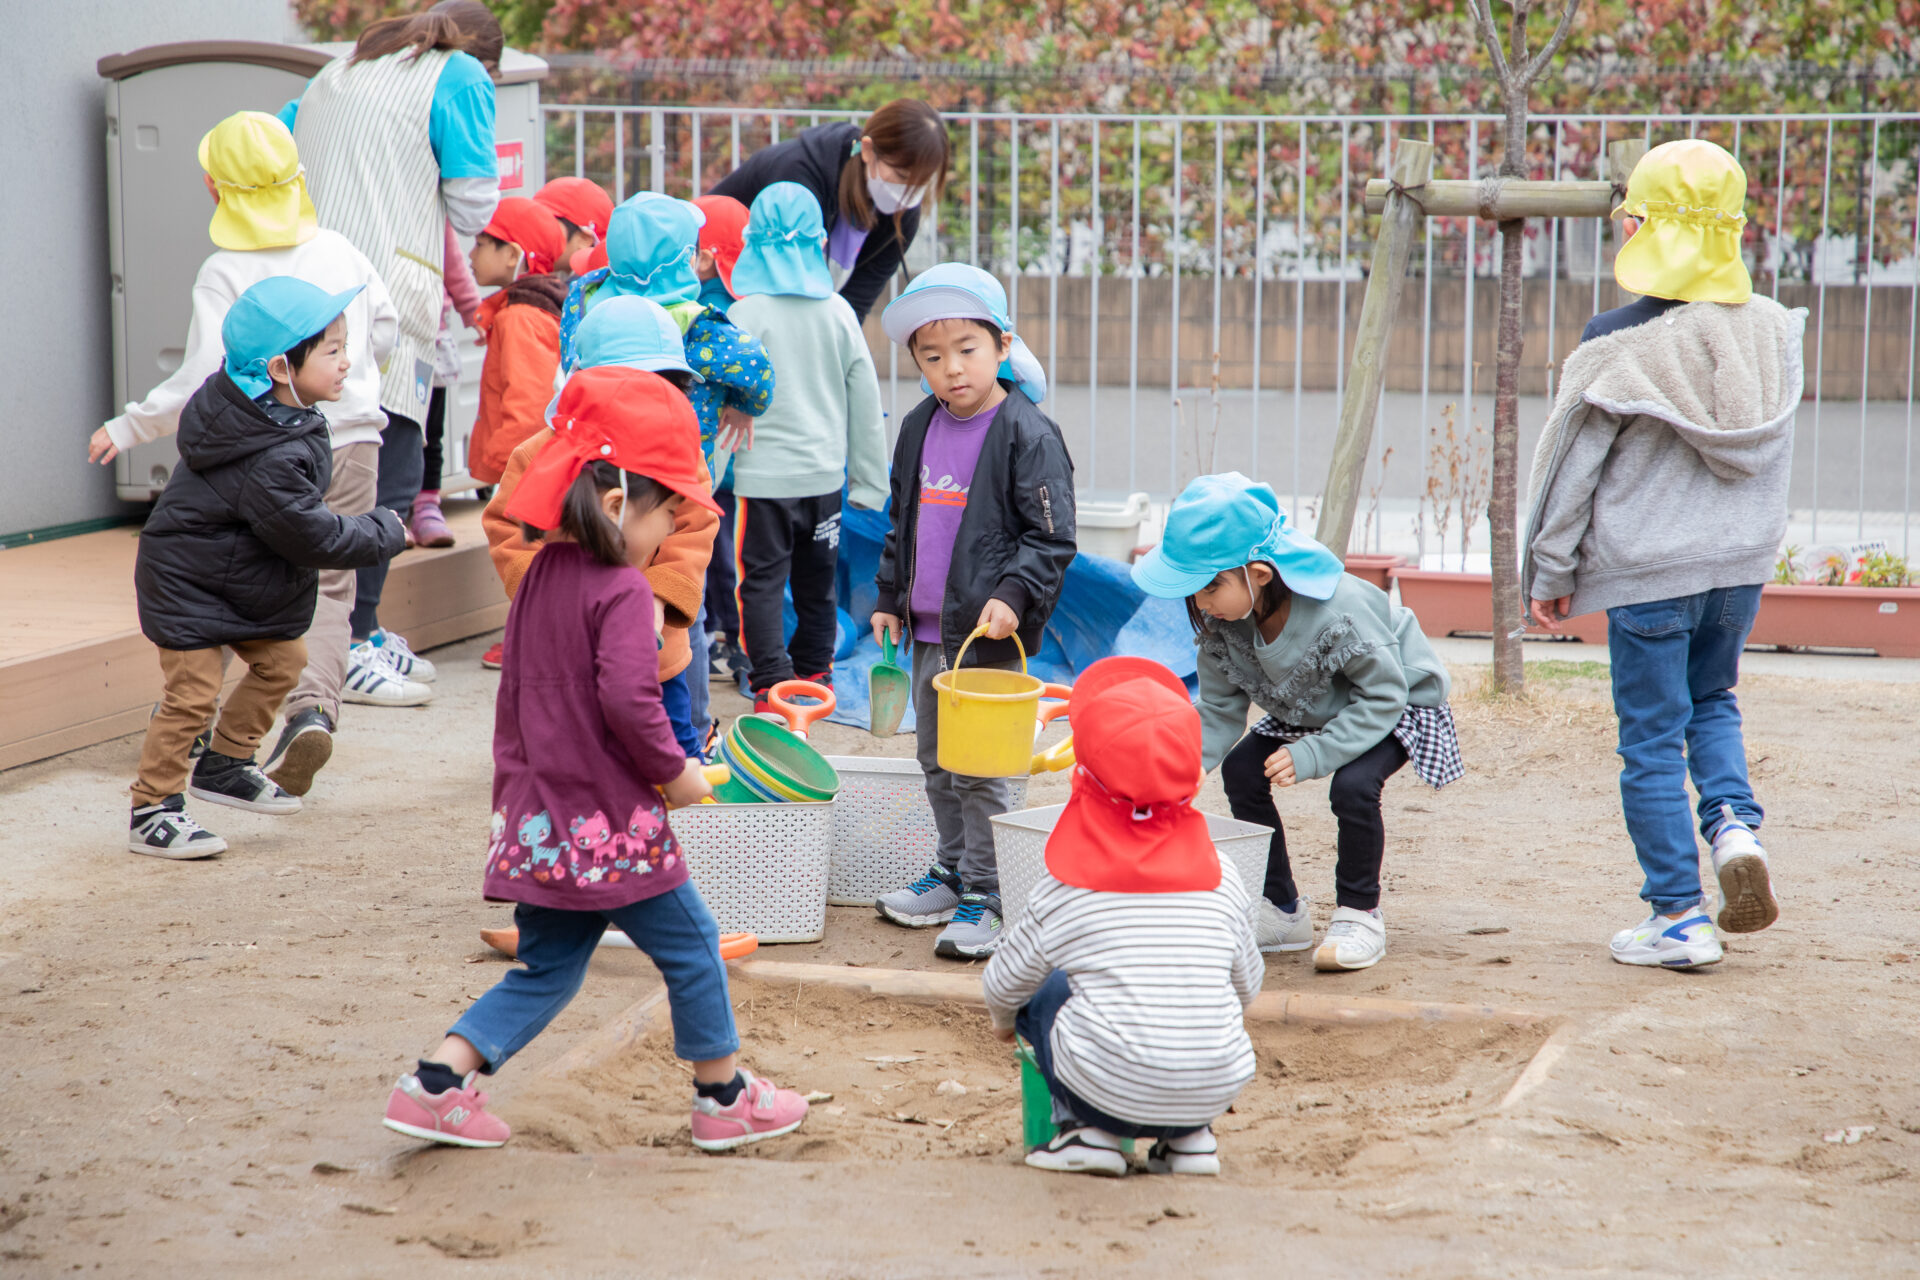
(870, 181)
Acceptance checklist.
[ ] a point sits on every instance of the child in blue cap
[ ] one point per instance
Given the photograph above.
(824, 430)
(1349, 683)
(980, 540)
(229, 557)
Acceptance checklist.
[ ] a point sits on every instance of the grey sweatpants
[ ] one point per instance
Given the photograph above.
(962, 806)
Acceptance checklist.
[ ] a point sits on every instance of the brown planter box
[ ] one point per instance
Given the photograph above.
(1883, 619)
(1377, 569)
(1447, 603)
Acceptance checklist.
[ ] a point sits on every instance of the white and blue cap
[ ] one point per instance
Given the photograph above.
(1222, 522)
(956, 291)
(270, 319)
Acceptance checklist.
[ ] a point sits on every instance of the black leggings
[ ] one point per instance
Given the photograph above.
(1355, 798)
(435, 450)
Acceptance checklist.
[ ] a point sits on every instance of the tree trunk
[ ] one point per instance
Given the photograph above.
(1509, 675)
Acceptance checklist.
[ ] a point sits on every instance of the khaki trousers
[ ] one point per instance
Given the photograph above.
(193, 679)
(356, 476)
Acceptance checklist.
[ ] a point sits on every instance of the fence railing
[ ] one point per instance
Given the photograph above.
(1191, 284)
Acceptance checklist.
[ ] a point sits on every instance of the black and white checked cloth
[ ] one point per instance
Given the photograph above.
(1433, 748)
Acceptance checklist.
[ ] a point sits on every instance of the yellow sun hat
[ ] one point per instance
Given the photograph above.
(263, 187)
(1690, 197)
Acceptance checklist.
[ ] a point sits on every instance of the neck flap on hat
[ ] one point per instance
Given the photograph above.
(1103, 842)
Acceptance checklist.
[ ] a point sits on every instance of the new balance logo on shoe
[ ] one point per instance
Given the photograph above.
(457, 1116)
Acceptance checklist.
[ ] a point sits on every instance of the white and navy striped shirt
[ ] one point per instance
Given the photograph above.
(1153, 1033)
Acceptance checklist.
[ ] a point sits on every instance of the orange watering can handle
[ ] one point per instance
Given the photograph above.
(800, 718)
(1051, 711)
(1055, 758)
(961, 657)
(735, 945)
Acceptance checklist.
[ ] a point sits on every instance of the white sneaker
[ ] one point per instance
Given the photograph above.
(1195, 1153)
(1355, 940)
(1082, 1150)
(406, 664)
(1277, 930)
(1686, 943)
(1747, 903)
(371, 682)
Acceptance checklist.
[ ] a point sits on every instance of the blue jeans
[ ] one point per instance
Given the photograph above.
(1035, 1023)
(676, 695)
(1675, 663)
(675, 930)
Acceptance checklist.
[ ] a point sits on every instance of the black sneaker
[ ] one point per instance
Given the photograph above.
(239, 783)
(165, 831)
(304, 747)
(718, 665)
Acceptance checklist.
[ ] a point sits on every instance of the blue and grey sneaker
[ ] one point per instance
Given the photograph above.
(974, 931)
(1686, 943)
(926, 902)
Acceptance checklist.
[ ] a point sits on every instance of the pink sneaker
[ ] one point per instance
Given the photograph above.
(761, 1111)
(458, 1117)
(429, 523)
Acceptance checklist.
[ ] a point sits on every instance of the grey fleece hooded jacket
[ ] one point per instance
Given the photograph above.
(1663, 471)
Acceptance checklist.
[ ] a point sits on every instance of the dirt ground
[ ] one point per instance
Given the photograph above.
(195, 1055)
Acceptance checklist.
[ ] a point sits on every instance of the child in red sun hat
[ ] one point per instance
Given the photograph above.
(521, 327)
(583, 207)
(721, 241)
(584, 767)
(1130, 966)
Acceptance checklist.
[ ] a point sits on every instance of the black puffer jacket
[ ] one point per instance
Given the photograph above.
(1016, 535)
(232, 546)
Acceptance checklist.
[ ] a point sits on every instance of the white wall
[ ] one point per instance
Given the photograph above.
(56, 354)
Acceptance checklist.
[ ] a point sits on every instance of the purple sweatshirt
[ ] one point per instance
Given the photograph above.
(580, 741)
(947, 461)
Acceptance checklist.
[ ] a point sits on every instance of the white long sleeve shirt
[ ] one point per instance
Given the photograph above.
(1154, 1032)
(328, 261)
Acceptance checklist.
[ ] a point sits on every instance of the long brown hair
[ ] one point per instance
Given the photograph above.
(583, 519)
(910, 136)
(463, 26)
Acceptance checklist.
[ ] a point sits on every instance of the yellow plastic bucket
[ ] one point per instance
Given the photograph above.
(987, 717)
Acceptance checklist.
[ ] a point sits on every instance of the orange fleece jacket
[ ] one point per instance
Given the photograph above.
(678, 573)
(516, 382)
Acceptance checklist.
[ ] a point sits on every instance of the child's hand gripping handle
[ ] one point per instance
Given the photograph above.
(694, 785)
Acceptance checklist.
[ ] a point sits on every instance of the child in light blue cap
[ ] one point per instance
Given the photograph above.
(230, 555)
(1349, 683)
(979, 543)
(824, 430)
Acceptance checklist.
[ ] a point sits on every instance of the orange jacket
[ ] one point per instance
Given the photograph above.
(521, 327)
(678, 573)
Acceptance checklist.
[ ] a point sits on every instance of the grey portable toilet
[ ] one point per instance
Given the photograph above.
(160, 101)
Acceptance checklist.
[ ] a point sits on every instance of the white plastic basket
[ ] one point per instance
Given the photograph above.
(762, 868)
(883, 834)
(1020, 845)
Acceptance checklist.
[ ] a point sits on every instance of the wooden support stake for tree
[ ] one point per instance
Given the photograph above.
(1392, 250)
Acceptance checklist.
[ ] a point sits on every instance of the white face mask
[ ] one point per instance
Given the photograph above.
(891, 197)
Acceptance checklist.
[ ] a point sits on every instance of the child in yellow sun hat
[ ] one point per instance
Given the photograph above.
(1660, 496)
(264, 226)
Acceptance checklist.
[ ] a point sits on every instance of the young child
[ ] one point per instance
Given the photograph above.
(583, 207)
(580, 743)
(981, 535)
(635, 333)
(1660, 495)
(1130, 966)
(824, 431)
(521, 325)
(721, 240)
(722, 237)
(228, 557)
(1350, 686)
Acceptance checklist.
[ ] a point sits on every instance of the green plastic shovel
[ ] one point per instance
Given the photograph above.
(888, 689)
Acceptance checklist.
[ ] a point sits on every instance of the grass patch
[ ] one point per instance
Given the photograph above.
(1554, 671)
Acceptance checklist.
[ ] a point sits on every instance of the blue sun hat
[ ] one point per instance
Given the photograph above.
(1225, 521)
(635, 332)
(272, 318)
(956, 291)
(652, 240)
(783, 250)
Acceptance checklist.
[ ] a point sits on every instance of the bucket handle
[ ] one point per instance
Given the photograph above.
(953, 691)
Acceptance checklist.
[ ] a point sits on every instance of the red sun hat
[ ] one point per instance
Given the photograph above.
(724, 234)
(581, 201)
(519, 221)
(1130, 826)
(636, 420)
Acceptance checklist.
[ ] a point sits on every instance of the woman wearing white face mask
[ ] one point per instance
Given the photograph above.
(871, 181)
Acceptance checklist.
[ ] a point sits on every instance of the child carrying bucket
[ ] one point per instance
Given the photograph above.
(1128, 971)
(981, 536)
(583, 757)
(1349, 683)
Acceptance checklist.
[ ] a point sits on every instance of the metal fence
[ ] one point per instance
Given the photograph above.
(1191, 284)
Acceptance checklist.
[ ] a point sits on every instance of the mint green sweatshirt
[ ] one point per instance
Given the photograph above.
(1344, 668)
(824, 425)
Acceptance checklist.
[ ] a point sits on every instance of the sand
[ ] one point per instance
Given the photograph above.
(195, 1055)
